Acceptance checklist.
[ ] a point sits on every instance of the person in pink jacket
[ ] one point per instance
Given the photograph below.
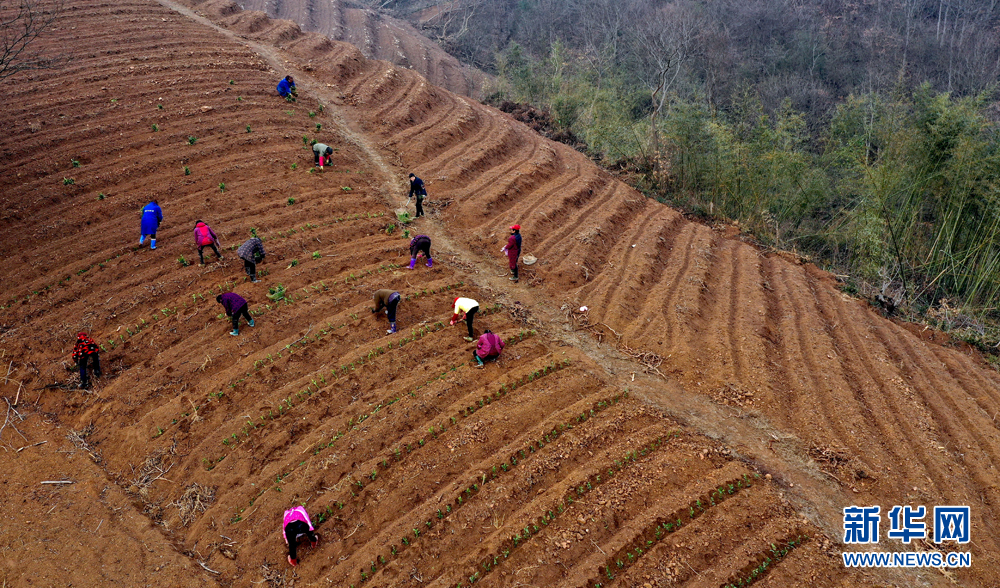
(296, 525)
(204, 237)
(488, 348)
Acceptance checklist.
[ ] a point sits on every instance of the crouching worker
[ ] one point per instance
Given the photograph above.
(252, 253)
(322, 155)
(86, 351)
(204, 237)
(465, 308)
(488, 348)
(389, 300)
(236, 306)
(295, 526)
(420, 244)
(287, 89)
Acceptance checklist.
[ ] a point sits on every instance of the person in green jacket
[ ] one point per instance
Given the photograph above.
(389, 300)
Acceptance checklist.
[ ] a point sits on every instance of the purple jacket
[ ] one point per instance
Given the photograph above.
(489, 344)
(232, 302)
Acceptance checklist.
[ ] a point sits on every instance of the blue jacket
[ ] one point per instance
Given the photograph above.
(151, 218)
(285, 88)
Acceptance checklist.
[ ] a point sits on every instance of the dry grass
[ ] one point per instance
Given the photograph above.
(79, 440)
(195, 500)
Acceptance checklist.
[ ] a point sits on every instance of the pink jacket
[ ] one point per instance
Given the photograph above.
(295, 514)
(204, 235)
(489, 344)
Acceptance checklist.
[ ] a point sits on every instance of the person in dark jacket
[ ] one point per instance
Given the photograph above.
(86, 351)
(417, 189)
(420, 244)
(152, 216)
(204, 237)
(513, 249)
(389, 300)
(295, 526)
(252, 253)
(286, 88)
(321, 154)
(465, 308)
(488, 348)
(236, 306)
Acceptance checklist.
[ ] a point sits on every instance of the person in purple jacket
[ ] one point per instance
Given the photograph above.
(235, 307)
(488, 349)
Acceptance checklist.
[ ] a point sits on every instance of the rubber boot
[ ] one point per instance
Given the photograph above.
(392, 329)
(251, 322)
(413, 262)
(152, 243)
(234, 332)
(430, 262)
(142, 239)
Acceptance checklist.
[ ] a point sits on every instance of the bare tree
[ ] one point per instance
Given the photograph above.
(22, 22)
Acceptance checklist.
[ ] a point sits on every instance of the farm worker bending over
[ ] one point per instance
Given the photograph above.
(321, 154)
(465, 307)
(420, 244)
(488, 348)
(252, 253)
(296, 525)
(513, 249)
(389, 300)
(204, 237)
(417, 189)
(152, 216)
(235, 307)
(86, 350)
(286, 88)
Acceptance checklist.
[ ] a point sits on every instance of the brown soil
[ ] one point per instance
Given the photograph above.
(739, 392)
(378, 36)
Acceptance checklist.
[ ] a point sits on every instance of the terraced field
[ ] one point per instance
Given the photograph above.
(702, 424)
(378, 36)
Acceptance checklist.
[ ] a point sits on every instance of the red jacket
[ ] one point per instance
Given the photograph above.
(204, 235)
(489, 344)
(84, 346)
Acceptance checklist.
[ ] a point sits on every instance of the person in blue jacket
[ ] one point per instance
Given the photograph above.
(152, 216)
(286, 88)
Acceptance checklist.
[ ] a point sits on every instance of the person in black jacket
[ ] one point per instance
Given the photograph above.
(417, 189)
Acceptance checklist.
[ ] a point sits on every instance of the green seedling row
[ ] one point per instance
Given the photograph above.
(574, 494)
(472, 490)
(765, 561)
(626, 556)
(426, 292)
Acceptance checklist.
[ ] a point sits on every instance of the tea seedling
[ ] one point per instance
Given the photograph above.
(68, 181)
(318, 127)
(248, 129)
(294, 263)
(232, 83)
(159, 107)
(316, 255)
(291, 201)
(294, 166)
(239, 98)
(155, 127)
(183, 262)
(187, 170)
(222, 186)
(192, 140)
(100, 196)
(75, 162)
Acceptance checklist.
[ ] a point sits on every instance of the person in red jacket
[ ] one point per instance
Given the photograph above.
(488, 348)
(204, 237)
(513, 249)
(86, 351)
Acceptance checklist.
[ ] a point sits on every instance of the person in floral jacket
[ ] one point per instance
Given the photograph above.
(86, 352)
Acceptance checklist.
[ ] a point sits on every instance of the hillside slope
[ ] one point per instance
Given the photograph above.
(378, 36)
(548, 468)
